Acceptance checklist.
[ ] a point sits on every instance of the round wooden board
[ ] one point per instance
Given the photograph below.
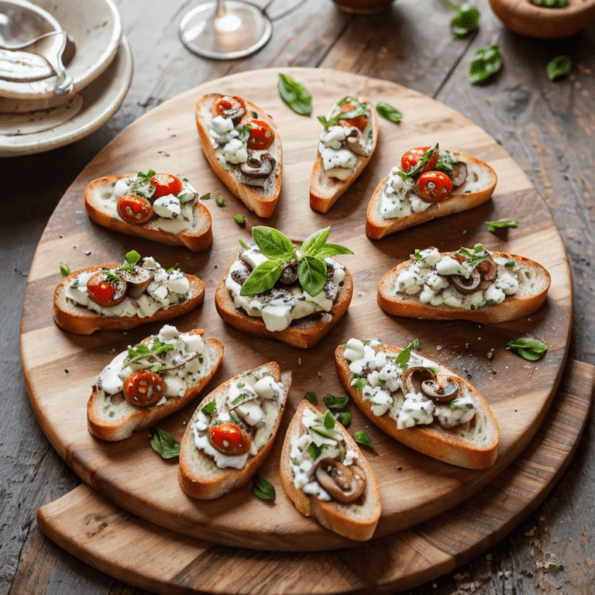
(60, 368)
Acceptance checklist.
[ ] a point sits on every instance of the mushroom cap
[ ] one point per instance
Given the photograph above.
(343, 483)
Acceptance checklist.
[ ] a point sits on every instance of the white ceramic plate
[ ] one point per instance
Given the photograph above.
(96, 28)
(101, 100)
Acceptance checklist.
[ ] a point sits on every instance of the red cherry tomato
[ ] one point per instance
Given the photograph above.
(134, 208)
(104, 291)
(229, 439)
(412, 157)
(360, 122)
(261, 135)
(166, 184)
(143, 388)
(225, 104)
(434, 186)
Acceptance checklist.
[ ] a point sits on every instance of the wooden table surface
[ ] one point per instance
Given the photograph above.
(547, 127)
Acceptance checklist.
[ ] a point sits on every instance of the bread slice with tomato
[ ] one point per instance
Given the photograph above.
(122, 297)
(243, 147)
(157, 206)
(326, 476)
(345, 147)
(150, 381)
(232, 431)
(429, 183)
(419, 403)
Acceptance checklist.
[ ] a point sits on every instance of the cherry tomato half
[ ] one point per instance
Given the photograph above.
(105, 292)
(143, 388)
(227, 106)
(261, 135)
(360, 122)
(166, 184)
(412, 157)
(134, 208)
(434, 186)
(229, 439)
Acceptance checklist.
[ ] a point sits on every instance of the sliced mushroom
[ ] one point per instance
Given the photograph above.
(414, 377)
(289, 273)
(256, 169)
(488, 269)
(483, 274)
(137, 281)
(459, 173)
(442, 389)
(343, 483)
(466, 285)
(355, 142)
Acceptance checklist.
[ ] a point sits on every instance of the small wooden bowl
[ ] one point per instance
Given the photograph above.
(528, 19)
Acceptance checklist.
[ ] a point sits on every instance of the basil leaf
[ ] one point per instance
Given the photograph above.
(64, 270)
(529, 349)
(272, 243)
(405, 355)
(501, 224)
(465, 20)
(210, 407)
(310, 396)
(391, 113)
(446, 162)
(559, 66)
(345, 418)
(244, 245)
(295, 95)
(486, 62)
(333, 402)
(424, 159)
(263, 277)
(132, 257)
(551, 3)
(328, 421)
(332, 250)
(314, 451)
(164, 444)
(240, 220)
(263, 488)
(311, 274)
(363, 438)
(314, 242)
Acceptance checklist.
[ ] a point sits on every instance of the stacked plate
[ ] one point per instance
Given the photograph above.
(33, 118)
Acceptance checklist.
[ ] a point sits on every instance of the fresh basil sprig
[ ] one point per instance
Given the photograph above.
(295, 95)
(486, 62)
(559, 66)
(142, 350)
(263, 488)
(529, 349)
(164, 444)
(279, 250)
(501, 224)
(390, 112)
(359, 109)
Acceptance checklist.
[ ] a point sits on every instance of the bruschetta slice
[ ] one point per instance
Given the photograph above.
(232, 431)
(157, 206)
(345, 147)
(121, 297)
(429, 183)
(467, 284)
(420, 403)
(150, 381)
(243, 147)
(327, 477)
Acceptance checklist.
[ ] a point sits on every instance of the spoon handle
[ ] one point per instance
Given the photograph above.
(64, 83)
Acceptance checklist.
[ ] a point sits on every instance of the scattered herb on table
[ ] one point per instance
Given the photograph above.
(486, 62)
(164, 444)
(263, 488)
(240, 220)
(219, 201)
(64, 270)
(529, 349)
(333, 402)
(295, 95)
(388, 111)
(559, 66)
(205, 196)
(311, 396)
(363, 438)
(345, 418)
(466, 19)
(501, 224)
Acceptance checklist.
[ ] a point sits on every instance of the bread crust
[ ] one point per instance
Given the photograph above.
(304, 333)
(220, 481)
(324, 190)
(198, 238)
(141, 418)
(433, 440)
(81, 321)
(262, 202)
(511, 308)
(377, 227)
(357, 520)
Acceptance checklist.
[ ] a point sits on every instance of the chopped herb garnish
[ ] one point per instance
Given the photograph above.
(205, 196)
(551, 3)
(314, 451)
(529, 349)
(310, 396)
(363, 438)
(501, 224)
(486, 62)
(405, 355)
(559, 66)
(210, 407)
(219, 201)
(240, 220)
(333, 402)
(164, 444)
(64, 270)
(359, 109)
(295, 95)
(391, 113)
(142, 350)
(345, 418)
(328, 420)
(466, 19)
(263, 488)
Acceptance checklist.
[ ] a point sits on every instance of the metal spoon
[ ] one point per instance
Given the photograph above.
(23, 45)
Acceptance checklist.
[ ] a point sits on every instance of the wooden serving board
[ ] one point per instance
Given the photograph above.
(60, 368)
(98, 532)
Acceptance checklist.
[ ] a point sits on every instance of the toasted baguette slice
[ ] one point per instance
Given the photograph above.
(325, 190)
(356, 520)
(473, 445)
(112, 417)
(195, 234)
(460, 200)
(199, 475)
(304, 333)
(82, 321)
(260, 200)
(530, 297)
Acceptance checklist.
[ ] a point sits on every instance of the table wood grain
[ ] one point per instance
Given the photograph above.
(546, 127)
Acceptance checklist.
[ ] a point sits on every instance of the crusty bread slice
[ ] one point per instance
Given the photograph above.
(304, 333)
(356, 520)
(261, 201)
(198, 235)
(324, 190)
(377, 227)
(473, 445)
(515, 306)
(113, 418)
(199, 476)
(81, 321)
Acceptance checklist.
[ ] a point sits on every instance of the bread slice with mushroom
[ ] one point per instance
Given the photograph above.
(127, 397)
(494, 287)
(232, 431)
(252, 175)
(329, 478)
(420, 403)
